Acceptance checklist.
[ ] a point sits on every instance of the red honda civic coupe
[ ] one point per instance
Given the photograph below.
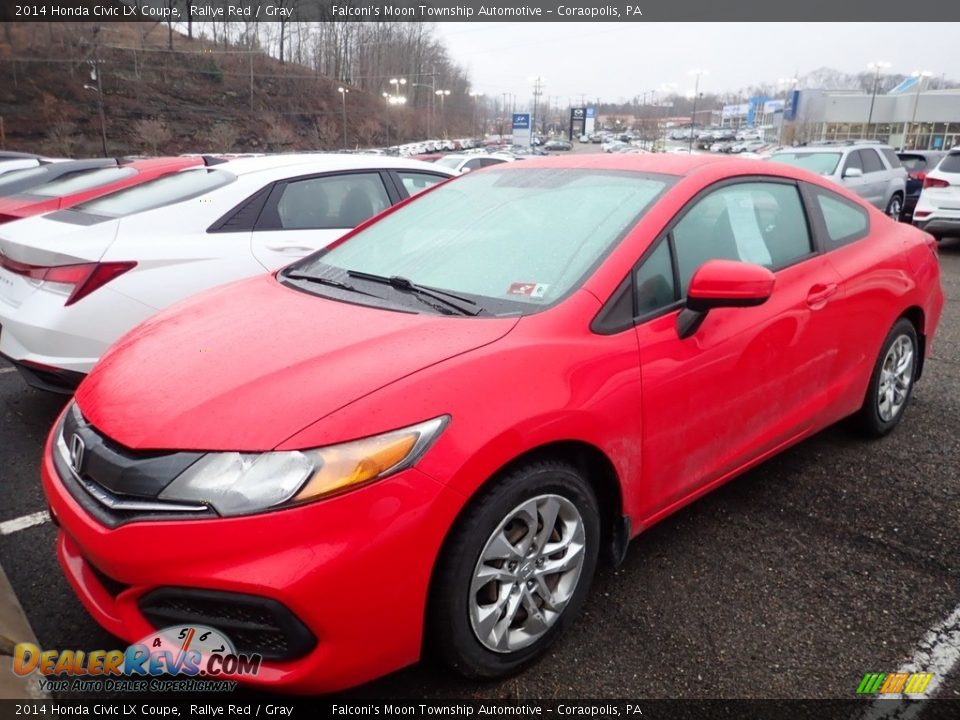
(73, 188)
(429, 433)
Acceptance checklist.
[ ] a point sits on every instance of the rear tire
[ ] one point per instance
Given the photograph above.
(516, 570)
(891, 383)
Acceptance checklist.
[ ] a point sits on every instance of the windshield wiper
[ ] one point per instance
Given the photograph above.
(325, 281)
(405, 285)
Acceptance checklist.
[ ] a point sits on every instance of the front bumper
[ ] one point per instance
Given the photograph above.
(353, 569)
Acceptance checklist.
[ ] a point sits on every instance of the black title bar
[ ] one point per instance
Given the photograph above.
(488, 11)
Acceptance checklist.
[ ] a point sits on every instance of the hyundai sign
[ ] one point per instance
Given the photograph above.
(521, 129)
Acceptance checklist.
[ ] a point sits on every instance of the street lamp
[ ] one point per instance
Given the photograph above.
(697, 73)
(920, 75)
(397, 83)
(343, 101)
(442, 94)
(666, 89)
(876, 67)
(476, 101)
(386, 97)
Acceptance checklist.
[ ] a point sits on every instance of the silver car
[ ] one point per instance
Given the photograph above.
(871, 170)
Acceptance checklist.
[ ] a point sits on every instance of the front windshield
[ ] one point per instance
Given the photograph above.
(449, 162)
(823, 163)
(512, 239)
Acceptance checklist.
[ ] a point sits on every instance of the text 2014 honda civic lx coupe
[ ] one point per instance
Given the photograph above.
(429, 433)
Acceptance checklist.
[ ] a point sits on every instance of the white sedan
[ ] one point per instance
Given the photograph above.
(73, 281)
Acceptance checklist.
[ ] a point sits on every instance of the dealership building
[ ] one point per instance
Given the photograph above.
(906, 117)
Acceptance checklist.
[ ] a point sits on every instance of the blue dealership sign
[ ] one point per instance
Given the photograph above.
(521, 121)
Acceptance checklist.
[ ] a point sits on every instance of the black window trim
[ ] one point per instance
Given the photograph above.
(822, 239)
(603, 324)
(269, 218)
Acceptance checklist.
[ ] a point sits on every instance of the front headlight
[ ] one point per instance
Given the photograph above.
(234, 483)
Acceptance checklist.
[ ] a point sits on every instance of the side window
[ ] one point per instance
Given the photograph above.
(653, 281)
(415, 182)
(756, 222)
(845, 221)
(871, 161)
(853, 161)
(487, 162)
(336, 201)
(471, 164)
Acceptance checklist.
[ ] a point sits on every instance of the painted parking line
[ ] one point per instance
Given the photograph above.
(6, 370)
(938, 653)
(9, 527)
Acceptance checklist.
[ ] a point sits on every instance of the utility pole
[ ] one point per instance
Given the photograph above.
(537, 92)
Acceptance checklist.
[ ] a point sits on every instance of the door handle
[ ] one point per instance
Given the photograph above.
(291, 248)
(820, 293)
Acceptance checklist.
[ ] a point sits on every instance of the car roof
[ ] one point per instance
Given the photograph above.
(328, 161)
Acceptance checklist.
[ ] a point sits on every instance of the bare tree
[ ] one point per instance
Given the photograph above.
(63, 137)
(222, 136)
(153, 133)
(277, 134)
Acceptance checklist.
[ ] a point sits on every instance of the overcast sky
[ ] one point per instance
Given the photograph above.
(616, 61)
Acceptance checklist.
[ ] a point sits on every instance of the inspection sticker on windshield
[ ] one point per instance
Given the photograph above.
(534, 290)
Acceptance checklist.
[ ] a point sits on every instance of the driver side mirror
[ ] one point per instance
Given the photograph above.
(853, 172)
(720, 284)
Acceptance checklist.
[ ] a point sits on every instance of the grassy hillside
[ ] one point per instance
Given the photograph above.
(200, 97)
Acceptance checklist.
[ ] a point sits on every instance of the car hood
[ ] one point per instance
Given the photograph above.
(247, 365)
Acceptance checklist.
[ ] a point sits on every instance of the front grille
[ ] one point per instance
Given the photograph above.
(117, 485)
(254, 624)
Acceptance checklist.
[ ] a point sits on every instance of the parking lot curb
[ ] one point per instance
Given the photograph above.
(14, 628)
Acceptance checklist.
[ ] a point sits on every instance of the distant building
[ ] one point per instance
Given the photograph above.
(926, 120)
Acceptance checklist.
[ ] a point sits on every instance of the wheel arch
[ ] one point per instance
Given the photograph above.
(597, 469)
(917, 318)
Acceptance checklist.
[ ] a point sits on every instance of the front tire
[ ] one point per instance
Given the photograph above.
(895, 206)
(891, 383)
(516, 570)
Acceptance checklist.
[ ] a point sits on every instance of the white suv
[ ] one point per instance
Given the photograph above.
(938, 209)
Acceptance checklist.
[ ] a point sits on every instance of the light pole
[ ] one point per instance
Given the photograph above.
(876, 67)
(432, 86)
(666, 90)
(920, 75)
(476, 101)
(442, 94)
(697, 73)
(95, 75)
(395, 99)
(343, 102)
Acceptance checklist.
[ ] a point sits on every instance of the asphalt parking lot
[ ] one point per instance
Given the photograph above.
(832, 560)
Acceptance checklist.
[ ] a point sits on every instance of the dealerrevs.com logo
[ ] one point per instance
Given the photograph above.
(188, 658)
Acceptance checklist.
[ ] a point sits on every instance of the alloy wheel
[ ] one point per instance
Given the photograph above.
(527, 573)
(896, 375)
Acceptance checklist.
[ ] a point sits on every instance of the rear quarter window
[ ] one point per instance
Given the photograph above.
(845, 221)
